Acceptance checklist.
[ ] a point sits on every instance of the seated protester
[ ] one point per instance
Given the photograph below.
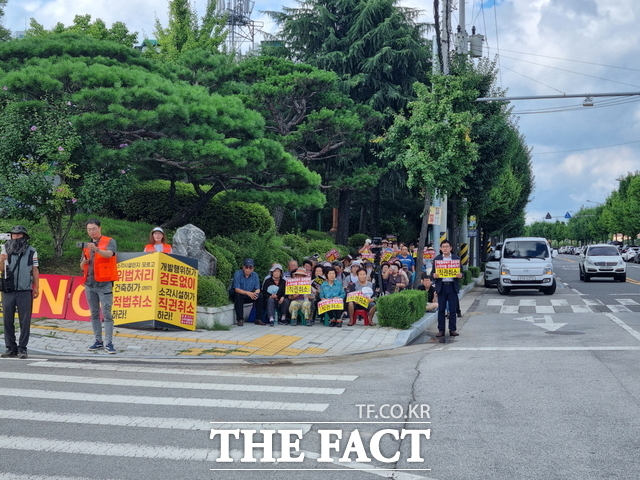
(370, 271)
(293, 266)
(346, 261)
(308, 265)
(426, 285)
(366, 287)
(396, 281)
(352, 277)
(331, 288)
(273, 292)
(298, 302)
(404, 273)
(245, 288)
(338, 267)
(317, 279)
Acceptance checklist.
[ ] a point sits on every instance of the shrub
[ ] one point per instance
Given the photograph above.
(150, 202)
(400, 310)
(228, 219)
(356, 240)
(320, 246)
(212, 292)
(466, 278)
(296, 242)
(264, 249)
(225, 267)
(475, 271)
(316, 235)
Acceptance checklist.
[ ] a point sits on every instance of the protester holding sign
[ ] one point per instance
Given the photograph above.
(447, 273)
(397, 281)
(300, 301)
(157, 242)
(273, 291)
(332, 290)
(363, 289)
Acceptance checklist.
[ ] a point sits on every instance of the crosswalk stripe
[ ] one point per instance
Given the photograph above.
(138, 422)
(581, 309)
(545, 309)
(626, 301)
(559, 303)
(528, 302)
(172, 401)
(195, 372)
(124, 382)
(618, 308)
(588, 301)
(509, 309)
(495, 302)
(107, 449)
(15, 476)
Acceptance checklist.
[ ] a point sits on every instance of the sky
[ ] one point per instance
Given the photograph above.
(543, 47)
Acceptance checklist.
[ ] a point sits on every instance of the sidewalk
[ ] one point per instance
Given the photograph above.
(72, 338)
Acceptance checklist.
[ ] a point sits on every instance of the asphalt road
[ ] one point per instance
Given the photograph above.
(535, 387)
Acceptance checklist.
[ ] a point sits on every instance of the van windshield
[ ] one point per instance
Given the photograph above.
(526, 249)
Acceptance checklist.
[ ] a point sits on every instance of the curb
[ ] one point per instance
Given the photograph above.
(405, 337)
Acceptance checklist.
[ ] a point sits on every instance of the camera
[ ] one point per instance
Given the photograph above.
(376, 247)
(5, 236)
(83, 244)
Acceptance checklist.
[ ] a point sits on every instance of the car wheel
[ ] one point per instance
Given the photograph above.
(622, 278)
(502, 290)
(586, 277)
(550, 290)
(581, 274)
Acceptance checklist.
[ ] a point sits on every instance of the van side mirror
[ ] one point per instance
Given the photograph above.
(554, 252)
(497, 254)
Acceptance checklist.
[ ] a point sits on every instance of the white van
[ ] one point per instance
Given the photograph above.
(525, 262)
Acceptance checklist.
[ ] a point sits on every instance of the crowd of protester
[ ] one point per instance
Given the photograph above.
(391, 269)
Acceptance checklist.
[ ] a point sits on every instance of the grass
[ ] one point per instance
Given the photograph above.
(217, 326)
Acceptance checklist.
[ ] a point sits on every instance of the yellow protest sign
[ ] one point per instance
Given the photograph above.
(447, 268)
(387, 254)
(330, 304)
(156, 289)
(332, 255)
(359, 298)
(298, 286)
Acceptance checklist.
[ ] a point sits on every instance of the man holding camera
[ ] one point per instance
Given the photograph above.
(99, 267)
(19, 268)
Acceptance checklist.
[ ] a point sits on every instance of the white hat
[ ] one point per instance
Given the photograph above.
(157, 229)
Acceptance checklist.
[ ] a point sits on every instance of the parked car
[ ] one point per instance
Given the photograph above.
(526, 262)
(602, 260)
(492, 269)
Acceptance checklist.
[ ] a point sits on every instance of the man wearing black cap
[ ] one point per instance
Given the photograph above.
(19, 267)
(246, 289)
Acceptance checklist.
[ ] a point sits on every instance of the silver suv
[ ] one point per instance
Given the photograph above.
(602, 260)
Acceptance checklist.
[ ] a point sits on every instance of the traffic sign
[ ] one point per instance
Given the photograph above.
(567, 215)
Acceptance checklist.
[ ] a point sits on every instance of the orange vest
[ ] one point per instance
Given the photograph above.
(104, 269)
(166, 248)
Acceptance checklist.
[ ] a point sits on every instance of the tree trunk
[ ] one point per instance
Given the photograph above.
(344, 209)
(182, 217)
(453, 223)
(422, 240)
(278, 215)
(363, 219)
(375, 211)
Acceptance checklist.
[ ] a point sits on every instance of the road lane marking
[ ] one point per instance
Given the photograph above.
(495, 302)
(127, 382)
(15, 476)
(138, 422)
(191, 371)
(172, 401)
(618, 308)
(626, 301)
(528, 302)
(588, 301)
(620, 323)
(578, 292)
(581, 309)
(545, 309)
(540, 349)
(509, 309)
(560, 303)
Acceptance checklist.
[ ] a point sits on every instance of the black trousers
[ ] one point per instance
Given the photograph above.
(239, 302)
(22, 301)
(448, 295)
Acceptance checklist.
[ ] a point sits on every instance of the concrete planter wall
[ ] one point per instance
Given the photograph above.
(207, 316)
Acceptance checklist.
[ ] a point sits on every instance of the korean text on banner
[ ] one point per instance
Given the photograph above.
(298, 286)
(428, 253)
(447, 268)
(387, 253)
(332, 255)
(359, 298)
(330, 304)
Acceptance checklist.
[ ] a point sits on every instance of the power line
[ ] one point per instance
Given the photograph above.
(569, 60)
(609, 103)
(588, 148)
(533, 79)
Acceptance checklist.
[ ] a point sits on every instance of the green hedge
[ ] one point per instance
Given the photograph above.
(400, 310)
(357, 240)
(475, 271)
(212, 292)
(226, 262)
(466, 278)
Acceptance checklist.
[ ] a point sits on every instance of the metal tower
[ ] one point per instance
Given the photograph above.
(241, 28)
